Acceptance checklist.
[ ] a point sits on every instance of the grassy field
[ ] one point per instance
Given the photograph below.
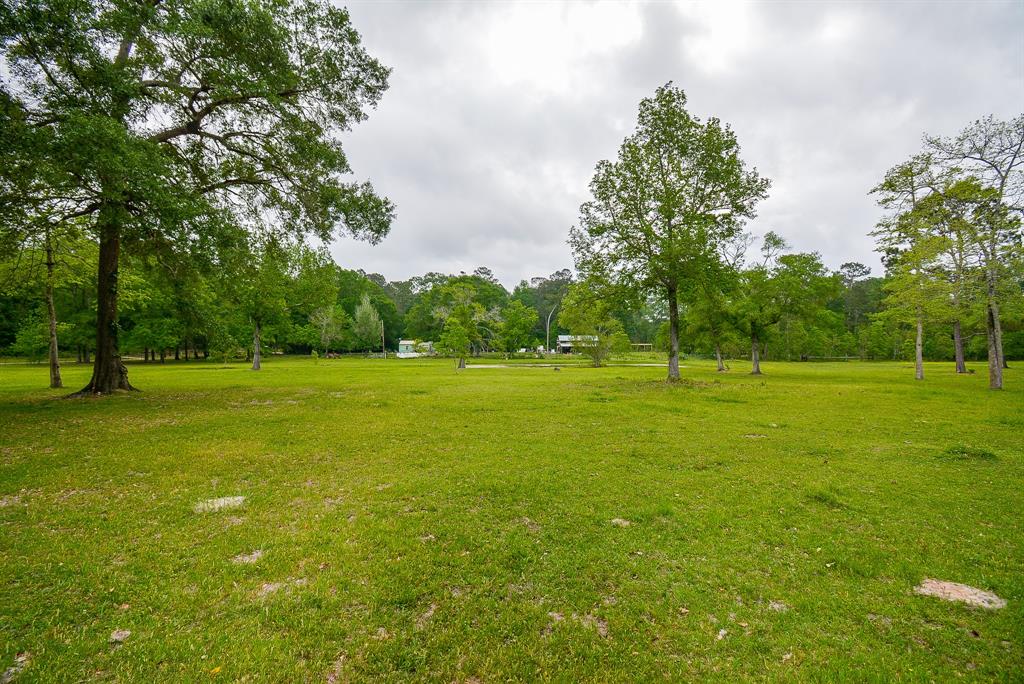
(417, 523)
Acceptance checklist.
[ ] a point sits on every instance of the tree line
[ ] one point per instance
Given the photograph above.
(168, 167)
(666, 222)
(294, 299)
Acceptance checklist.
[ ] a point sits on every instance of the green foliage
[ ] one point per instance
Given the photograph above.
(366, 324)
(790, 287)
(454, 340)
(663, 211)
(169, 128)
(587, 315)
(516, 326)
(33, 337)
(329, 323)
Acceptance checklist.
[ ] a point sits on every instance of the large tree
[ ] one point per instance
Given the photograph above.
(779, 287)
(661, 211)
(516, 323)
(161, 121)
(965, 192)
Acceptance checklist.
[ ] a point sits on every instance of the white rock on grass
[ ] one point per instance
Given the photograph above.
(223, 503)
(118, 636)
(620, 522)
(951, 591)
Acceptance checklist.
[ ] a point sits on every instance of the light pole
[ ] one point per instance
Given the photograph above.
(547, 330)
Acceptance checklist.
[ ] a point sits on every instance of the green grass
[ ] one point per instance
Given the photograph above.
(439, 523)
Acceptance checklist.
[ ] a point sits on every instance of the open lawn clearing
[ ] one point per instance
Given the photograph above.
(417, 523)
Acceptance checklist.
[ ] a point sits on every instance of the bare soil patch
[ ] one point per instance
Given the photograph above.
(220, 504)
(952, 591)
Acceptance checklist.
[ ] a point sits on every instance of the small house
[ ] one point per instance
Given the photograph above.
(411, 349)
(571, 344)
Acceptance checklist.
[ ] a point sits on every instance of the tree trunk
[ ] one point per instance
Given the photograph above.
(462, 363)
(163, 354)
(256, 348)
(108, 373)
(79, 353)
(755, 355)
(958, 347)
(995, 362)
(673, 328)
(718, 358)
(919, 350)
(997, 329)
(51, 313)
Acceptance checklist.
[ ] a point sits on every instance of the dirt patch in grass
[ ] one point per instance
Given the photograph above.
(268, 588)
(963, 593)
(248, 558)
(20, 663)
(591, 621)
(337, 670)
(219, 504)
(12, 500)
(424, 618)
(550, 627)
(119, 636)
(621, 522)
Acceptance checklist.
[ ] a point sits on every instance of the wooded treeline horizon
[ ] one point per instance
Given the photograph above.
(170, 167)
(208, 314)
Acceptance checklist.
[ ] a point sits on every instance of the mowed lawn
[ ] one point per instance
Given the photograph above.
(418, 523)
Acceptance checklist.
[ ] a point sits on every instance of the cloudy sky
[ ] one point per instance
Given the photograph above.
(498, 112)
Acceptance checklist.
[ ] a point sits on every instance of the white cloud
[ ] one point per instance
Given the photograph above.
(498, 112)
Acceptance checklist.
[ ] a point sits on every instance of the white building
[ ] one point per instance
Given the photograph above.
(568, 344)
(411, 349)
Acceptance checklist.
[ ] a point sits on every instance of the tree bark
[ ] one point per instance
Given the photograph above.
(995, 362)
(462, 363)
(256, 357)
(958, 347)
(755, 355)
(109, 373)
(919, 350)
(997, 329)
(673, 333)
(51, 313)
(718, 358)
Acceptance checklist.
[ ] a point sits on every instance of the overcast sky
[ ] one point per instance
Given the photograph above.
(498, 112)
